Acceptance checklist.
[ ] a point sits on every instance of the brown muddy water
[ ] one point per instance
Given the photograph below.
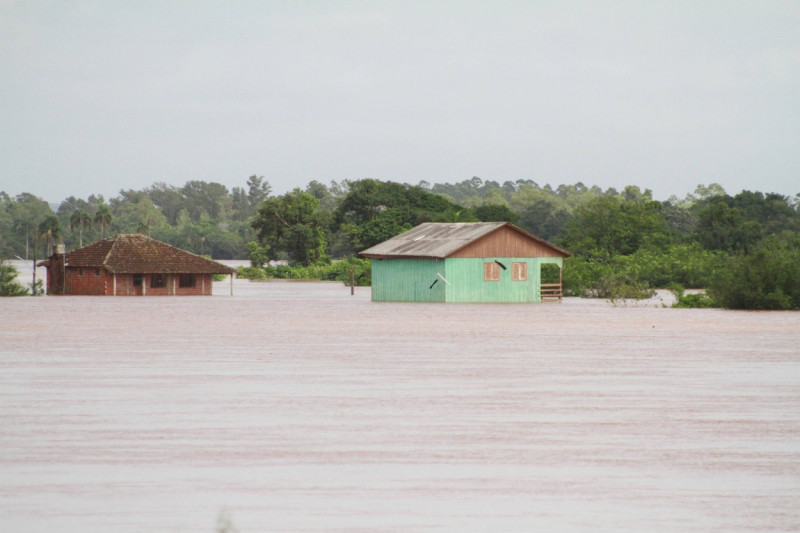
(296, 407)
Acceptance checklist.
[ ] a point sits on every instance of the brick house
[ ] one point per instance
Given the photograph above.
(131, 265)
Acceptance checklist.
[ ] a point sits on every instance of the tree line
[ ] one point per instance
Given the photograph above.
(743, 248)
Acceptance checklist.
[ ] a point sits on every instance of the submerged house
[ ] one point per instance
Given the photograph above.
(131, 264)
(464, 262)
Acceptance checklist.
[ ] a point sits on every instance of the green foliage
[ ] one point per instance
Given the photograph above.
(617, 226)
(288, 227)
(259, 255)
(767, 278)
(545, 217)
(599, 274)
(596, 279)
(206, 199)
(102, 219)
(742, 247)
(721, 227)
(685, 264)
(582, 274)
(49, 233)
(80, 220)
(37, 289)
(383, 226)
(738, 223)
(251, 273)
(303, 243)
(698, 300)
(19, 220)
(495, 213)
(621, 286)
(8, 281)
(343, 270)
(373, 211)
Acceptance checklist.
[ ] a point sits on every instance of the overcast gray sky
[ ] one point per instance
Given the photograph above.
(104, 95)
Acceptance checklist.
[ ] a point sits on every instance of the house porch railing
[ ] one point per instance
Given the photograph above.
(552, 292)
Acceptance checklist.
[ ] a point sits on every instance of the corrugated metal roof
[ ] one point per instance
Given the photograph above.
(139, 254)
(433, 239)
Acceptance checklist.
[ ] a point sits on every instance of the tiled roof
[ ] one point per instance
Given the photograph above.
(439, 240)
(139, 254)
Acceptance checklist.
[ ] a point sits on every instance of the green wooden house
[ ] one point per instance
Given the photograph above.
(464, 262)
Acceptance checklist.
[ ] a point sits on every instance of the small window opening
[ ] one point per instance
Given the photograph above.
(519, 271)
(158, 281)
(97, 272)
(491, 271)
(187, 281)
(80, 272)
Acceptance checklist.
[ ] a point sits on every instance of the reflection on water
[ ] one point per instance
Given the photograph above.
(297, 407)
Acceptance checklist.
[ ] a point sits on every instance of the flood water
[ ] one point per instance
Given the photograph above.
(296, 407)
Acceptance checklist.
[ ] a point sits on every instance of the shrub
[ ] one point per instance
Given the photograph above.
(251, 273)
(695, 300)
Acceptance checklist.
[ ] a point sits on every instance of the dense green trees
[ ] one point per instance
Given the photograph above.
(373, 211)
(289, 228)
(203, 217)
(766, 278)
(613, 225)
(737, 223)
(21, 217)
(743, 248)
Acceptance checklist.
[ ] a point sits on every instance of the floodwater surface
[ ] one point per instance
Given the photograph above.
(296, 407)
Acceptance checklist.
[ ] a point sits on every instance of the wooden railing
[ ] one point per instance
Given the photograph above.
(552, 292)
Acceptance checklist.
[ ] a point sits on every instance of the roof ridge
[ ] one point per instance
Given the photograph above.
(443, 239)
(110, 249)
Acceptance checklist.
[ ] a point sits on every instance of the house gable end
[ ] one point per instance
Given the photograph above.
(508, 241)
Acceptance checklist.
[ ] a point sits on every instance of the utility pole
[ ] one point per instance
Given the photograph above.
(352, 281)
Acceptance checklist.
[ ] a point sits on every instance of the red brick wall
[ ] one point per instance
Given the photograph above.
(55, 275)
(202, 286)
(89, 281)
(125, 285)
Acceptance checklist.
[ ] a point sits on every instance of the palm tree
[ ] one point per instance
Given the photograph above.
(50, 231)
(102, 219)
(80, 219)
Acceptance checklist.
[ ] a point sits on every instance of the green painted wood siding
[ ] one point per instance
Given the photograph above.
(410, 280)
(467, 284)
(407, 280)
